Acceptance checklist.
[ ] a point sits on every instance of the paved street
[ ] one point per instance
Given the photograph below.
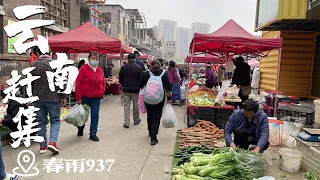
(135, 158)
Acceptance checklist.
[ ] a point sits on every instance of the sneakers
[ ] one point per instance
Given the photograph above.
(43, 150)
(126, 126)
(53, 147)
(11, 177)
(138, 122)
(94, 138)
(154, 141)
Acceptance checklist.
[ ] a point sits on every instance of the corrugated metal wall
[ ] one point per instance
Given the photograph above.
(315, 93)
(269, 65)
(292, 9)
(296, 63)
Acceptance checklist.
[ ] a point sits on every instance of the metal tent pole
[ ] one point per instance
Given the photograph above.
(277, 84)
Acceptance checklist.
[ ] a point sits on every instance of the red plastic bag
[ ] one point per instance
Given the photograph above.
(192, 83)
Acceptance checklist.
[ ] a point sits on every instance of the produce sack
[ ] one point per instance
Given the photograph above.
(141, 105)
(169, 117)
(78, 115)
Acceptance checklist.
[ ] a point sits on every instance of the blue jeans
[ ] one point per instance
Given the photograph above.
(94, 104)
(2, 172)
(53, 109)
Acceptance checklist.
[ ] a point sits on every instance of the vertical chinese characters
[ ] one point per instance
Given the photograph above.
(64, 77)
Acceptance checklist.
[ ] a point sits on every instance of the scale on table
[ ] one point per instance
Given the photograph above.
(309, 134)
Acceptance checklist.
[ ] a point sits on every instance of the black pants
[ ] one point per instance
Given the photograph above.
(220, 84)
(154, 113)
(241, 141)
(243, 98)
(10, 124)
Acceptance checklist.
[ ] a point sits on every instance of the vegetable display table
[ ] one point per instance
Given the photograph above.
(218, 115)
(232, 101)
(114, 89)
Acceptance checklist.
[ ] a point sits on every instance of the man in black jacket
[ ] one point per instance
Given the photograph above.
(129, 78)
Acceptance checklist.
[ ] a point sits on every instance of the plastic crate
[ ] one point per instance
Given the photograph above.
(207, 114)
(296, 113)
(222, 117)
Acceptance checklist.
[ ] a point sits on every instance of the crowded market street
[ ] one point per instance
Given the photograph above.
(134, 158)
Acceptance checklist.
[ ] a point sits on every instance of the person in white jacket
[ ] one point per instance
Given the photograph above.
(255, 80)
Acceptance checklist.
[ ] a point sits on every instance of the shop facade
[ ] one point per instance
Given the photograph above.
(65, 13)
(295, 70)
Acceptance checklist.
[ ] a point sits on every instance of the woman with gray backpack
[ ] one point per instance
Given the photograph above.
(155, 82)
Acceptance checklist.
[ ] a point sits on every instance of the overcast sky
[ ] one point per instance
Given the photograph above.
(185, 12)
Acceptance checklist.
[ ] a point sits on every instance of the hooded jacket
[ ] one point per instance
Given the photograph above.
(237, 120)
(90, 83)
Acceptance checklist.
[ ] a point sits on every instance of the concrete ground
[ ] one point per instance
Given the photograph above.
(272, 166)
(135, 158)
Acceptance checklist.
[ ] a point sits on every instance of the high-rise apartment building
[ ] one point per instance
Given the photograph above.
(167, 30)
(198, 27)
(183, 41)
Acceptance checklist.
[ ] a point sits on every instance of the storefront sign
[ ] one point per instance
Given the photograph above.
(12, 40)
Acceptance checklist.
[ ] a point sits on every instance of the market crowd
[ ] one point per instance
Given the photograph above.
(156, 84)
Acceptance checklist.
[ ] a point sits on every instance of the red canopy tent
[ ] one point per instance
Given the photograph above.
(84, 39)
(204, 59)
(232, 39)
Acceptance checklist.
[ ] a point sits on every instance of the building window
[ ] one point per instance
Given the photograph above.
(57, 11)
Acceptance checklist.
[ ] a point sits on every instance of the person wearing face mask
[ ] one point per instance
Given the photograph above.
(90, 86)
(250, 128)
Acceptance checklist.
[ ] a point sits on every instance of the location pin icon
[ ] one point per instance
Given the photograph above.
(28, 159)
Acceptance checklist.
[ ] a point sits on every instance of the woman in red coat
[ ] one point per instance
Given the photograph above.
(90, 86)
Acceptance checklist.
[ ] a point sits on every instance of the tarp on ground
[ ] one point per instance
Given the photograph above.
(232, 39)
(204, 59)
(84, 39)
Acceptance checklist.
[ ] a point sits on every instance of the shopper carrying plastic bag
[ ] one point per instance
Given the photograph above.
(142, 106)
(169, 117)
(154, 98)
(78, 115)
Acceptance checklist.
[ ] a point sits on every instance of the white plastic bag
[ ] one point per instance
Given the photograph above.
(194, 88)
(78, 115)
(169, 117)
(183, 92)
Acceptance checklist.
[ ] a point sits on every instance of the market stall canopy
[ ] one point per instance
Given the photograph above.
(253, 63)
(117, 56)
(204, 59)
(232, 39)
(84, 39)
